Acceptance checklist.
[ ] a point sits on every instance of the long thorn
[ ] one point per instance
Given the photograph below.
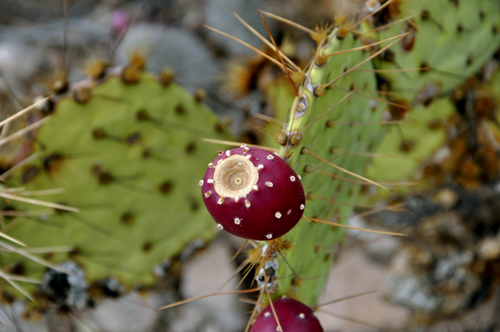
(216, 141)
(383, 27)
(348, 172)
(38, 202)
(22, 112)
(278, 328)
(34, 258)
(291, 23)
(371, 97)
(265, 41)
(20, 164)
(352, 227)
(371, 14)
(24, 131)
(12, 239)
(366, 60)
(15, 285)
(343, 299)
(328, 110)
(208, 295)
(277, 63)
(363, 47)
(279, 55)
(254, 312)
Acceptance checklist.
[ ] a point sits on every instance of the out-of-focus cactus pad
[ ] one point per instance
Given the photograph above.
(453, 39)
(130, 158)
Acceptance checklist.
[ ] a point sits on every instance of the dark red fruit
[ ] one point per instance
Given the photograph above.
(293, 315)
(253, 194)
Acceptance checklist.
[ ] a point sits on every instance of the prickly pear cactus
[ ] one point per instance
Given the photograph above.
(128, 156)
(319, 134)
(448, 40)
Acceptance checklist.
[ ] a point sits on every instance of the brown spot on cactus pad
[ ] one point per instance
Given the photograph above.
(253, 194)
(293, 315)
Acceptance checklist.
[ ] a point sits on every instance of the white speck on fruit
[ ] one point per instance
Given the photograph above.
(255, 188)
(270, 157)
(302, 206)
(219, 226)
(277, 215)
(248, 156)
(302, 316)
(269, 236)
(278, 329)
(300, 177)
(289, 211)
(245, 149)
(211, 165)
(220, 201)
(237, 221)
(292, 178)
(236, 199)
(260, 167)
(269, 184)
(228, 153)
(207, 194)
(220, 152)
(200, 183)
(247, 204)
(267, 314)
(210, 181)
(276, 153)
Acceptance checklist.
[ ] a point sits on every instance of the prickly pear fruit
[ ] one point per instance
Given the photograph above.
(253, 194)
(293, 316)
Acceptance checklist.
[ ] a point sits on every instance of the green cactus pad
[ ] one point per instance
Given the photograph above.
(130, 160)
(405, 148)
(337, 137)
(453, 39)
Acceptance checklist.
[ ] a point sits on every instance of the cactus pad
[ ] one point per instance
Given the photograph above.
(128, 157)
(448, 40)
